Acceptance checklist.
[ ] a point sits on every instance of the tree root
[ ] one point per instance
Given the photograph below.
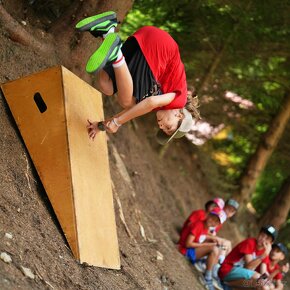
(20, 35)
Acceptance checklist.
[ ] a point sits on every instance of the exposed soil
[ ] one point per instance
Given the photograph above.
(157, 196)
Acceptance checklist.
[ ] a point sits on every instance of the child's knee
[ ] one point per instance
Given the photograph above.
(126, 103)
(215, 251)
(104, 84)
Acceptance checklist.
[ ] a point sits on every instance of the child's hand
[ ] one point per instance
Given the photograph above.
(209, 244)
(285, 268)
(92, 129)
(267, 247)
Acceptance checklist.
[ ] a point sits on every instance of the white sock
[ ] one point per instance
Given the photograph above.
(208, 275)
(215, 270)
(111, 30)
(120, 59)
(221, 258)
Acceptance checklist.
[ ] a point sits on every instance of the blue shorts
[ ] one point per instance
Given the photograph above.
(239, 273)
(190, 254)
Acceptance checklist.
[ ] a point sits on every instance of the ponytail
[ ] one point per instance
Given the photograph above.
(192, 104)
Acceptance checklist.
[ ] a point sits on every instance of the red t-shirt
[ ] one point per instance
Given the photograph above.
(196, 215)
(218, 228)
(236, 256)
(198, 230)
(271, 270)
(162, 55)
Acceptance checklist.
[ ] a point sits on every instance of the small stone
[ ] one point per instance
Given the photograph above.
(5, 257)
(163, 279)
(23, 22)
(18, 210)
(135, 173)
(8, 236)
(159, 256)
(27, 272)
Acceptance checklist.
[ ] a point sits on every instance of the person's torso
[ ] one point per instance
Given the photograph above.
(163, 57)
(198, 230)
(236, 258)
(272, 269)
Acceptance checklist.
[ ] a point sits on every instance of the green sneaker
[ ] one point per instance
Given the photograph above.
(99, 24)
(105, 54)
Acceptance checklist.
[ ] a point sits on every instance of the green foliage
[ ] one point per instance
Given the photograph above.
(250, 42)
(267, 187)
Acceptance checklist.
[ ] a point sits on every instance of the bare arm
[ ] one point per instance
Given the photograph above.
(251, 263)
(263, 268)
(279, 285)
(216, 239)
(145, 106)
(191, 244)
(142, 108)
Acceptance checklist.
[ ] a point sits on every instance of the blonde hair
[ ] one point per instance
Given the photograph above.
(192, 103)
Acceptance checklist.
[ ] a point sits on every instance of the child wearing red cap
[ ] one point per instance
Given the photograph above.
(200, 214)
(196, 243)
(230, 207)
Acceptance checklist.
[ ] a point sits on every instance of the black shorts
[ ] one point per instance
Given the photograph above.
(144, 83)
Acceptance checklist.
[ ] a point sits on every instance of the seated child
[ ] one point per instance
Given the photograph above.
(200, 214)
(195, 242)
(231, 207)
(272, 269)
(238, 269)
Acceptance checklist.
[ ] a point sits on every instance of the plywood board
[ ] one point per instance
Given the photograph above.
(90, 175)
(73, 169)
(45, 137)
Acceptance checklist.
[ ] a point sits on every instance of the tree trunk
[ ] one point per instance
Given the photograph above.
(264, 150)
(62, 40)
(278, 212)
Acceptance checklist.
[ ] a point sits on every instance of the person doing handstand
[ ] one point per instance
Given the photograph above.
(147, 74)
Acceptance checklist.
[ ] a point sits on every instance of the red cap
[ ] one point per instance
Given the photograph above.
(220, 213)
(219, 202)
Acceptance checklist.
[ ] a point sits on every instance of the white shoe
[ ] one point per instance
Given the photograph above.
(217, 284)
(208, 284)
(200, 266)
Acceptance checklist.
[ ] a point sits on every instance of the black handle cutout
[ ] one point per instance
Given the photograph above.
(40, 103)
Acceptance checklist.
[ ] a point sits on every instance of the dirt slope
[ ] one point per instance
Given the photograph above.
(155, 194)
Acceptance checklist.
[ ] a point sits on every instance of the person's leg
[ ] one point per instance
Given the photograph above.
(228, 245)
(212, 258)
(203, 251)
(245, 278)
(124, 85)
(251, 283)
(104, 83)
(212, 253)
(110, 53)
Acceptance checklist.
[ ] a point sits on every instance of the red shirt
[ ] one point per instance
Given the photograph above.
(198, 230)
(236, 256)
(162, 55)
(271, 270)
(218, 228)
(196, 215)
